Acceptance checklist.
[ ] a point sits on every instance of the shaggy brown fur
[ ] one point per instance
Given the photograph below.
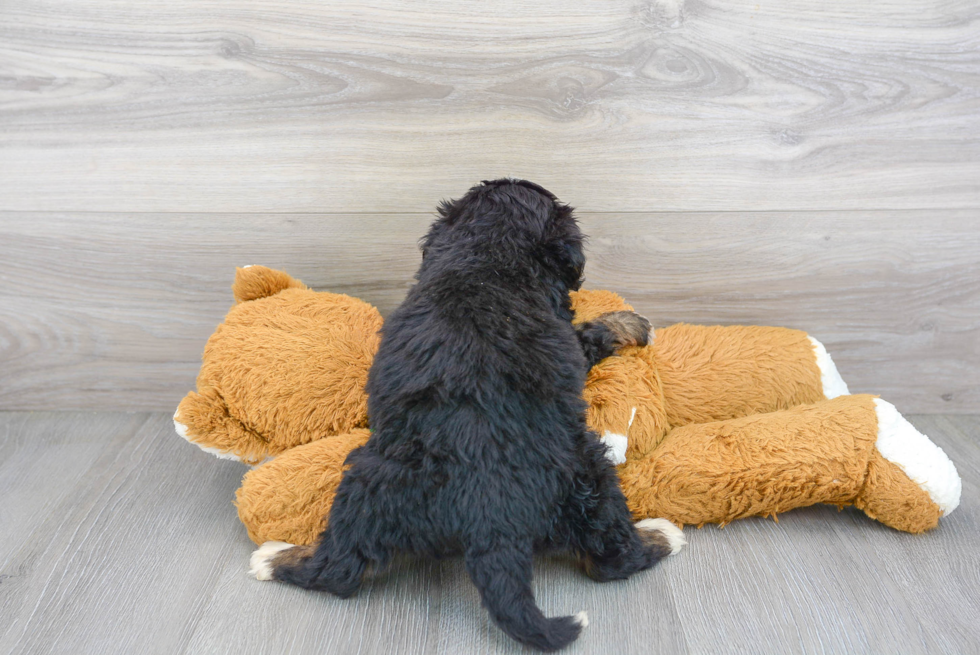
(283, 369)
(701, 471)
(671, 384)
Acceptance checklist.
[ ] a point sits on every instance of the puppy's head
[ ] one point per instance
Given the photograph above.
(515, 223)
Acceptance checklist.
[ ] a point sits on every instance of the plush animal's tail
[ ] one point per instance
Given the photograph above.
(253, 282)
(503, 577)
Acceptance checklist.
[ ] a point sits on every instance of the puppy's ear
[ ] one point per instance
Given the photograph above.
(573, 264)
(563, 248)
(563, 258)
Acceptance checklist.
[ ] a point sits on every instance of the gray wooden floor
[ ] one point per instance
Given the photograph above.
(117, 537)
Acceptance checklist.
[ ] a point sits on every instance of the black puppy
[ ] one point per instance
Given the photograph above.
(479, 444)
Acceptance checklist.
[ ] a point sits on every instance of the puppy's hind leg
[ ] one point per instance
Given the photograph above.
(335, 563)
(323, 566)
(503, 577)
(366, 514)
(601, 528)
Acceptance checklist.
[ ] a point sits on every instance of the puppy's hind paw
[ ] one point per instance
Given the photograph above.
(260, 564)
(662, 533)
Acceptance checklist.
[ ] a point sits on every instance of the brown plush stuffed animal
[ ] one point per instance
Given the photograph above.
(708, 424)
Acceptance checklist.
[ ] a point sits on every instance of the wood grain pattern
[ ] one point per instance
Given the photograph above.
(112, 311)
(620, 106)
(815, 165)
(136, 539)
(144, 554)
(894, 296)
(41, 463)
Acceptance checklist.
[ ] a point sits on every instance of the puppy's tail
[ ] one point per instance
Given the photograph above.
(503, 577)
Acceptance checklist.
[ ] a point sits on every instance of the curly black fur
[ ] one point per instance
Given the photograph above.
(479, 442)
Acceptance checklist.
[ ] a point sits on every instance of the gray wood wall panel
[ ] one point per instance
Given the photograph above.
(112, 311)
(140, 551)
(812, 165)
(617, 106)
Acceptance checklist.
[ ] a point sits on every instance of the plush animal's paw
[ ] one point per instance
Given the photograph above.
(182, 432)
(662, 531)
(922, 461)
(628, 328)
(616, 445)
(833, 384)
(260, 564)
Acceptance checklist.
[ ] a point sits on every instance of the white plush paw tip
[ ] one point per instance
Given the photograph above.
(183, 434)
(582, 618)
(260, 563)
(675, 536)
(833, 384)
(616, 445)
(180, 428)
(922, 460)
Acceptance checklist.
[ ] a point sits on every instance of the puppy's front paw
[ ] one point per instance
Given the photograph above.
(629, 328)
(662, 534)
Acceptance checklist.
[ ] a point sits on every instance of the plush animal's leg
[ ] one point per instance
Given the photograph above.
(848, 450)
(601, 529)
(692, 374)
(720, 373)
(757, 465)
(503, 577)
(289, 498)
(601, 337)
(910, 481)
